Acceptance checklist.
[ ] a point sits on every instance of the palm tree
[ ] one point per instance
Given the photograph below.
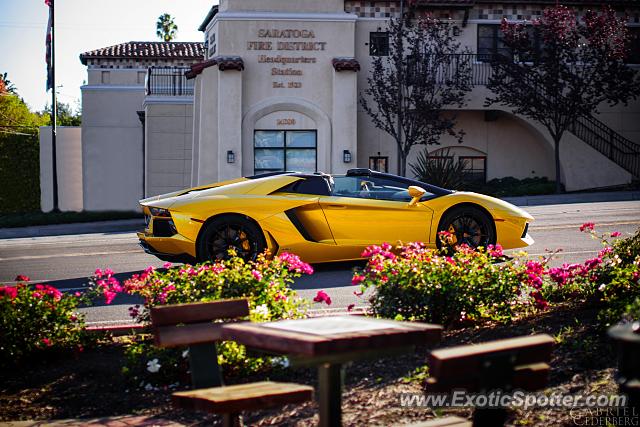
(166, 29)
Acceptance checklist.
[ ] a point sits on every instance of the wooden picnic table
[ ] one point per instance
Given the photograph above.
(328, 343)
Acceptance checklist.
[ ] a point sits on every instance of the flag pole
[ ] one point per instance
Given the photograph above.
(54, 110)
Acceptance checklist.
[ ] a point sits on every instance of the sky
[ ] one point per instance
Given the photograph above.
(81, 26)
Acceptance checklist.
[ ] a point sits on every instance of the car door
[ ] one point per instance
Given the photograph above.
(364, 210)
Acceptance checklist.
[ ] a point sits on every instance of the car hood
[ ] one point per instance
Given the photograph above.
(497, 207)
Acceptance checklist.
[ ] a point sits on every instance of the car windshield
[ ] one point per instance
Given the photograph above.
(372, 187)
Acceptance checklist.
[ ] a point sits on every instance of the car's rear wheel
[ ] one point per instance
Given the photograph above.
(236, 233)
(467, 225)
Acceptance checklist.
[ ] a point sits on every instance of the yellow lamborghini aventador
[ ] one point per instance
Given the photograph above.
(321, 217)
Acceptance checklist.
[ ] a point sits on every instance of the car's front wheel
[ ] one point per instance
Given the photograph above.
(468, 225)
(236, 233)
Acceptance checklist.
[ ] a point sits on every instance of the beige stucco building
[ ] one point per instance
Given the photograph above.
(275, 86)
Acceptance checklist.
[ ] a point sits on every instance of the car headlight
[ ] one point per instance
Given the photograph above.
(159, 212)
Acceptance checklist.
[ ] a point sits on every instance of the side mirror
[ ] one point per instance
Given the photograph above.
(416, 194)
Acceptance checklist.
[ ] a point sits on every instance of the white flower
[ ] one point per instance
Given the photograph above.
(262, 310)
(148, 387)
(185, 354)
(602, 287)
(153, 366)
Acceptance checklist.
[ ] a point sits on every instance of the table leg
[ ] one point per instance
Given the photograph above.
(330, 394)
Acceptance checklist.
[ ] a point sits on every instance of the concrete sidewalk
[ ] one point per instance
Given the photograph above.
(559, 199)
(138, 224)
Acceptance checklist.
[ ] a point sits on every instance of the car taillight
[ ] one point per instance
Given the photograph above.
(160, 212)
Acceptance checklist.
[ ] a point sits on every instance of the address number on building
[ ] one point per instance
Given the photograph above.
(285, 122)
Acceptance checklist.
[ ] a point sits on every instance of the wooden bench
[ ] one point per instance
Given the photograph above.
(198, 326)
(517, 363)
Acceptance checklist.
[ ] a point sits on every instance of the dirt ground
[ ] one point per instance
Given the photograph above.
(89, 384)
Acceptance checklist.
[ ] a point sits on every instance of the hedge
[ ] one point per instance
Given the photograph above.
(19, 173)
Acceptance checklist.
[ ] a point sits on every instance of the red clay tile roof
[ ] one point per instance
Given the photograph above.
(147, 50)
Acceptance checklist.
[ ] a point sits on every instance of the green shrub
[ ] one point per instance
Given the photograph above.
(265, 283)
(34, 319)
(510, 187)
(611, 280)
(19, 173)
(441, 171)
(428, 285)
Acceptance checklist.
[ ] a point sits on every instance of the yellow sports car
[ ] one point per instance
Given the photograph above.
(321, 217)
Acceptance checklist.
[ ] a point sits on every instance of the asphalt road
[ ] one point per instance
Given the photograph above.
(66, 261)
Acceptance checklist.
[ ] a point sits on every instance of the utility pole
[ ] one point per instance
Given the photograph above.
(54, 110)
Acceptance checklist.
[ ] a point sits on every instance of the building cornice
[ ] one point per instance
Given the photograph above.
(167, 100)
(285, 16)
(123, 88)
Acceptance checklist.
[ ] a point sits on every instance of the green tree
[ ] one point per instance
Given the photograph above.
(65, 115)
(576, 67)
(166, 28)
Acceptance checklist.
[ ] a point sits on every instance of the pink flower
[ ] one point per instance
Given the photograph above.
(149, 269)
(587, 226)
(256, 275)
(321, 297)
(294, 263)
(9, 291)
(495, 250)
(73, 317)
(357, 279)
(280, 297)
(108, 272)
(167, 265)
(98, 273)
(616, 234)
(47, 342)
(77, 295)
(22, 278)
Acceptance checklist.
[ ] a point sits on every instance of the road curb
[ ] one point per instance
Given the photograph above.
(114, 226)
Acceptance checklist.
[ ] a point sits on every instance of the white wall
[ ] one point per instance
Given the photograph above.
(69, 167)
(112, 147)
(168, 139)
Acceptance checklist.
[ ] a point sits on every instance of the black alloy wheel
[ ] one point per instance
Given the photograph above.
(239, 234)
(468, 225)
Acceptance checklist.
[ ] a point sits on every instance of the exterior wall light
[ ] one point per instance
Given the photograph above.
(231, 157)
(346, 156)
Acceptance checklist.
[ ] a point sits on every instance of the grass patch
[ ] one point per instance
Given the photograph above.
(13, 220)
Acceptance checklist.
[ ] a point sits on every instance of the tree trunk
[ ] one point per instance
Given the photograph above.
(557, 139)
(402, 164)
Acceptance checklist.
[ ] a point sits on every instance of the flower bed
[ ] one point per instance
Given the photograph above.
(36, 318)
(413, 282)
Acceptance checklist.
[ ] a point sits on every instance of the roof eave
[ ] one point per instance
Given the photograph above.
(212, 12)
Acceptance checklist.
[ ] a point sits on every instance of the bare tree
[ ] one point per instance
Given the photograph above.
(411, 90)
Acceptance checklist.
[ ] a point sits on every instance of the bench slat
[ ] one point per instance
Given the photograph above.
(199, 312)
(184, 335)
(529, 378)
(467, 360)
(444, 422)
(243, 397)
